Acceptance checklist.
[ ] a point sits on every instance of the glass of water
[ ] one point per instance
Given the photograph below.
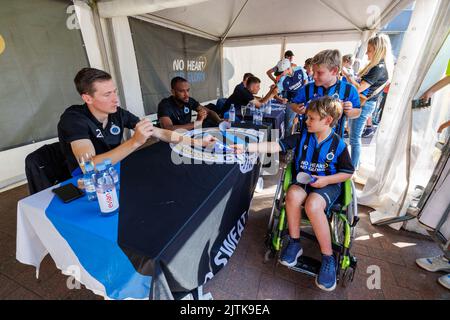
(243, 112)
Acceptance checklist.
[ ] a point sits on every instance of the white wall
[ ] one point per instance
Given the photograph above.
(12, 163)
(256, 59)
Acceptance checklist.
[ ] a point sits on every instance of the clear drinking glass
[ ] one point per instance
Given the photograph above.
(243, 112)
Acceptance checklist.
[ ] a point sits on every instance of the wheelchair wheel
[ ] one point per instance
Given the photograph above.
(269, 255)
(347, 276)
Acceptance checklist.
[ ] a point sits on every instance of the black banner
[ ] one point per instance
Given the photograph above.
(162, 54)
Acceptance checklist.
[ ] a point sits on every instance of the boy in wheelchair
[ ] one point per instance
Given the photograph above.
(321, 153)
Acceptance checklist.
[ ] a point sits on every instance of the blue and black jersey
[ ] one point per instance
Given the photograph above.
(346, 91)
(322, 159)
(290, 84)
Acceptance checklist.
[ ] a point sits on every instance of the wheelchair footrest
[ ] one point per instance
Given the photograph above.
(307, 265)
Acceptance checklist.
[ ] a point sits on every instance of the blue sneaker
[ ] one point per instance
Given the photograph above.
(326, 279)
(291, 253)
(368, 132)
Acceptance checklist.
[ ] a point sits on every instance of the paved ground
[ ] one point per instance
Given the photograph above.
(246, 276)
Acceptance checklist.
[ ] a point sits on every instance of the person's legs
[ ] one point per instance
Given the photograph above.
(294, 199)
(317, 205)
(356, 130)
(315, 210)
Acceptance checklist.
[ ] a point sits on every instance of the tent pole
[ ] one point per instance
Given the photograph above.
(283, 47)
(224, 36)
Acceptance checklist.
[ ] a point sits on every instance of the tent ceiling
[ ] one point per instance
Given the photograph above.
(278, 17)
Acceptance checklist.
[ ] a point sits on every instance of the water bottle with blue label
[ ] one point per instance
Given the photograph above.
(232, 113)
(106, 191)
(113, 172)
(89, 182)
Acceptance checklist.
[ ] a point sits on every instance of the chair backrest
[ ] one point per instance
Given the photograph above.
(46, 167)
(220, 103)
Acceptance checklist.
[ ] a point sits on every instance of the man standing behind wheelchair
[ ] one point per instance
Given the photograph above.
(322, 154)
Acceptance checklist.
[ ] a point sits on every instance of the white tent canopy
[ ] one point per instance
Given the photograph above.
(250, 19)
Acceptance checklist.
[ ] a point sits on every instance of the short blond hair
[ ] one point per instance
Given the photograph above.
(329, 58)
(327, 106)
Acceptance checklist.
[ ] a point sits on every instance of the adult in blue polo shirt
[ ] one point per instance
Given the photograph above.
(292, 81)
(326, 68)
(288, 86)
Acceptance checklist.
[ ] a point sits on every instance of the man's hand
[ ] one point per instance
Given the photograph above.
(142, 131)
(348, 107)
(321, 182)
(298, 108)
(202, 114)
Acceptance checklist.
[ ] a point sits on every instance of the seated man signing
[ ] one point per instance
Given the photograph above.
(322, 154)
(96, 127)
(246, 95)
(175, 112)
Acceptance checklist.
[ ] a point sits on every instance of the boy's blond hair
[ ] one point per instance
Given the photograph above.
(327, 106)
(329, 58)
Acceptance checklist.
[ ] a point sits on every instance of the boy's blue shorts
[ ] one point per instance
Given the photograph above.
(330, 194)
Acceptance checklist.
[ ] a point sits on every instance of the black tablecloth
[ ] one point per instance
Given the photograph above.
(181, 223)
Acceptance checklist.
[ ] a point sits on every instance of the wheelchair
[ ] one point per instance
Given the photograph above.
(343, 220)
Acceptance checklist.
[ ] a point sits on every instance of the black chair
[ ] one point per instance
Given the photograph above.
(46, 167)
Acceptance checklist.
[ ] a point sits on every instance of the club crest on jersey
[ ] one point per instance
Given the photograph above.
(330, 156)
(186, 110)
(115, 130)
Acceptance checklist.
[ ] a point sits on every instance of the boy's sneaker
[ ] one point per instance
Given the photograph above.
(368, 132)
(445, 281)
(433, 264)
(326, 279)
(291, 253)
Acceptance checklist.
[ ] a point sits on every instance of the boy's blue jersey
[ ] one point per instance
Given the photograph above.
(345, 90)
(322, 159)
(292, 83)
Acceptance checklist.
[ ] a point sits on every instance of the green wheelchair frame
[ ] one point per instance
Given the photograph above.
(342, 221)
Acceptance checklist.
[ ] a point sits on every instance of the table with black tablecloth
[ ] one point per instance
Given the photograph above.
(181, 223)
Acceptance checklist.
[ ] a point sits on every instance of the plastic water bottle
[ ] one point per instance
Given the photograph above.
(257, 117)
(113, 172)
(106, 191)
(88, 182)
(260, 117)
(268, 109)
(232, 113)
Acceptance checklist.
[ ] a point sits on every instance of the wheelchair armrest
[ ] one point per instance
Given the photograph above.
(347, 193)
(287, 179)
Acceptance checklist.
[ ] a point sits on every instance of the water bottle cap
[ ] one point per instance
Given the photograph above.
(107, 161)
(101, 167)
